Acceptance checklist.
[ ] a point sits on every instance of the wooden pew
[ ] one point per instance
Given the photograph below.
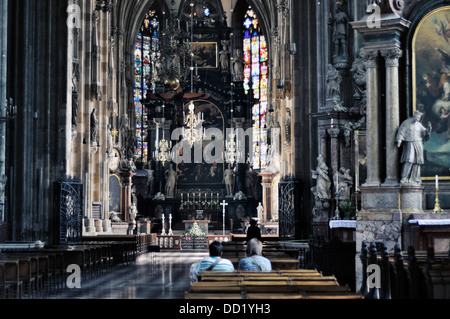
(289, 284)
(277, 263)
(407, 274)
(11, 276)
(5, 285)
(26, 275)
(29, 271)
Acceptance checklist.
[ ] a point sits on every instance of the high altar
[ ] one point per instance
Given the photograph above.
(202, 224)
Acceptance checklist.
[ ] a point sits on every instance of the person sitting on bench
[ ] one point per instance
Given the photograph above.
(214, 262)
(255, 261)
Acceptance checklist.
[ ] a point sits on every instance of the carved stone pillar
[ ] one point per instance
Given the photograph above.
(267, 179)
(323, 144)
(392, 57)
(3, 81)
(334, 152)
(373, 111)
(239, 188)
(127, 182)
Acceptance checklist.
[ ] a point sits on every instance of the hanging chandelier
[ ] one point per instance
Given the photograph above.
(193, 132)
(163, 147)
(175, 50)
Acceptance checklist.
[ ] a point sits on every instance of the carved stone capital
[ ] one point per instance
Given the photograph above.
(370, 58)
(392, 56)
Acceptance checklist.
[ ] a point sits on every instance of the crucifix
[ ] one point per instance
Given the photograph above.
(224, 205)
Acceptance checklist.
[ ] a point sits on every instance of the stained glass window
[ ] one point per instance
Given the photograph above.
(256, 77)
(147, 46)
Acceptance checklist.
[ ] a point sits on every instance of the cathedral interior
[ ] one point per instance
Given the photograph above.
(323, 120)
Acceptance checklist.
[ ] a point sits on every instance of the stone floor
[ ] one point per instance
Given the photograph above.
(164, 275)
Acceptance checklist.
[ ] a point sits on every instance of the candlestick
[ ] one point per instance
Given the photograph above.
(170, 225)
(437, 206)
(163, 232)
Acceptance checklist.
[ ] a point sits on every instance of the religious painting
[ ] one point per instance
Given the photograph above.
(200, 170)
(360, 160)
(206, 55)
(431, 88)
(115, 195)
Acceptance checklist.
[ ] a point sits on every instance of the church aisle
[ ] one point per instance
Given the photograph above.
(164, 277)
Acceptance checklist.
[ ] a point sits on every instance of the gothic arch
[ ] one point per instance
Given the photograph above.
(265, 11)
(216, 4)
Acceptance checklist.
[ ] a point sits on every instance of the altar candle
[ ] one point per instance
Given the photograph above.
(437, 182)
(337, 183)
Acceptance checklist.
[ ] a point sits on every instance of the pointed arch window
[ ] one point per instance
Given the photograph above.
(146, 49)
(256, 80)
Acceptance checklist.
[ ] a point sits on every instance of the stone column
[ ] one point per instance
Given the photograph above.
(373, 132)
(3, 75)
(267, 178)
(392, 57)
(239, 188)
(334, 152)
(323, 144)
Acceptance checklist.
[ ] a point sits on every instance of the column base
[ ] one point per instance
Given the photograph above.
(391, 182)
(411, 199)
(380, 198)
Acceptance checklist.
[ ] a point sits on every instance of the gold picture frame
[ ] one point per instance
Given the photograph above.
(206, 55)
(431, 84)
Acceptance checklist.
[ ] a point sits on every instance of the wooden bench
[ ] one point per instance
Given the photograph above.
(51, 265)
(286, 284)
(29, 272)
(11, 277)
(407, 274)
(277, 263)
(5, 284)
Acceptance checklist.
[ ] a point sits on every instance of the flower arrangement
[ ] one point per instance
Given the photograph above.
(194, 231)
(194, 238)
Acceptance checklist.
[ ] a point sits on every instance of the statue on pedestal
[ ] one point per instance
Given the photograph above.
(94, 128)
(340, 34)
(132, 214)
(171, 177)
(260, 210)
(412, 134)
(229, 180)
(238, 67)
(322, 190)
(150, 182)
(225, 58)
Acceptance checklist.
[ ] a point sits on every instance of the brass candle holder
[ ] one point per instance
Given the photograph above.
(437, 206)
